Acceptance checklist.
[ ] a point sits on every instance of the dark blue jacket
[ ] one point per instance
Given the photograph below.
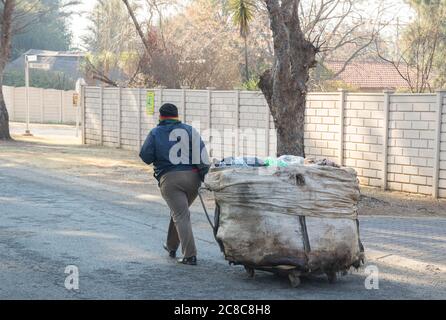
(174, 146)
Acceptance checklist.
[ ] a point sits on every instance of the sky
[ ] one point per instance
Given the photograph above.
(79, 22)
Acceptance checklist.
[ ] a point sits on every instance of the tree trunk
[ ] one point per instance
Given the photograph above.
(5, 51)
(4, 117)
(285, 85)
(246, 60)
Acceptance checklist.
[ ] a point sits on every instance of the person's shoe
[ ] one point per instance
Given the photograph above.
(172, 253)
(192, 261)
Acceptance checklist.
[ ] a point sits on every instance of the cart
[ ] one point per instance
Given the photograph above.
(292, 272)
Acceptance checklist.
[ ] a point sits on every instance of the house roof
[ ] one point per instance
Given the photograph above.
(368, 74)
(67, 62)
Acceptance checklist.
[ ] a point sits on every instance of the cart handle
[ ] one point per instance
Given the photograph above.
(204, 207)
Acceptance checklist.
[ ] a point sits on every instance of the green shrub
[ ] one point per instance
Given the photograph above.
(251, 85)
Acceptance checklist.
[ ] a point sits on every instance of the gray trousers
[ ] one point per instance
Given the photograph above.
(179, 190)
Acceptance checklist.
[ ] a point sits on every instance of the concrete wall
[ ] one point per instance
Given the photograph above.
(393, 141)
(411, 143)
(46, 105)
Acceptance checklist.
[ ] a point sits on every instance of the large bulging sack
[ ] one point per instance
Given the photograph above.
(302, 216)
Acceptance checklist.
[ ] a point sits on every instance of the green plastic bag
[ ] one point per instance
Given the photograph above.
(274, 162)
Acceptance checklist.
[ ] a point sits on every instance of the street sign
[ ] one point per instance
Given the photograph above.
(150, 103)
(31, 58)
(41, 66)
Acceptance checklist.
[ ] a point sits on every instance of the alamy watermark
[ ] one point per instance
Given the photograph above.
(246, 142)
(72, 280)
(372, 280)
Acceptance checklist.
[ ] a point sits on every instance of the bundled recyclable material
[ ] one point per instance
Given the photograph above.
(288, 213)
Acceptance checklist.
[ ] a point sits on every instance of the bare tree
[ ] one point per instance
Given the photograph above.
(156, 9)
(303, 33)
(137, 26)
(209, 46)
(285, 85)
(112, 43)
(342, 28)
(343, 31)
(420, 45)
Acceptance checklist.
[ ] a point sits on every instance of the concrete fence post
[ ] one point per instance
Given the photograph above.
(237, 124)
(342, 96)
(61, 107)
(12, 90)
(83, 115)
(119, 118)
(77, 113)
(161, 101)
(101, 116)
(140, 104)
(437, 150)
(161, 98)
(268, 129)
(209, 103)
(184, 102)
(385, 157)
(42, 105)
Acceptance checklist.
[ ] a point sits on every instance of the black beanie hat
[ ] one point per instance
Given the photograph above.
(169, 110)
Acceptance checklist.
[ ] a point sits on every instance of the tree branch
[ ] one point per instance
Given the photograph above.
(138, 28)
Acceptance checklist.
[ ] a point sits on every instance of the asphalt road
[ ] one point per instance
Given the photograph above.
(49, 221)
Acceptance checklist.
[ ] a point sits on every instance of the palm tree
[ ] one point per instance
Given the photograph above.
(242, 14)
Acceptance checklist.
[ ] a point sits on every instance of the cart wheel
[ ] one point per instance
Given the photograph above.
(332, 277)
(251, 272)
(294, 279)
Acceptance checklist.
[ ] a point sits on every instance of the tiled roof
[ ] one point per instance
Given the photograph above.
(369, 74)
